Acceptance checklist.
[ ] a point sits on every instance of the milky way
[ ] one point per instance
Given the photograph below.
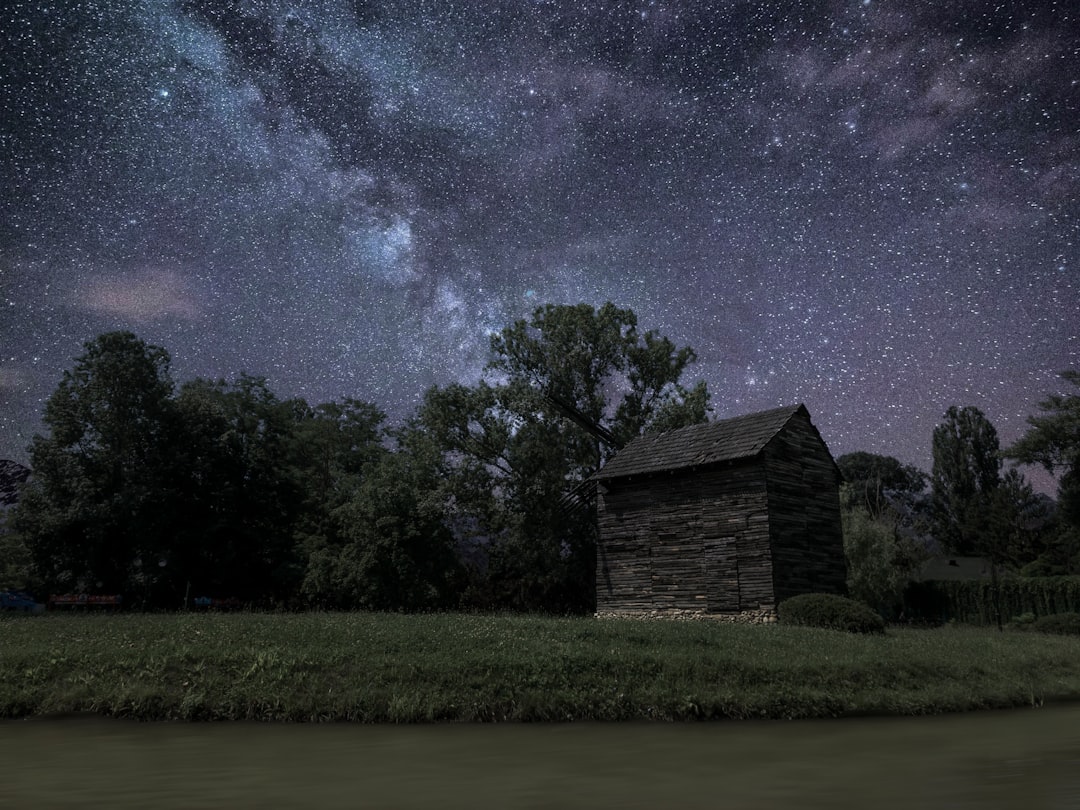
(870, 207)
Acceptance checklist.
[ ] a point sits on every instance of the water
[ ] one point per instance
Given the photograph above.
(1022, 759)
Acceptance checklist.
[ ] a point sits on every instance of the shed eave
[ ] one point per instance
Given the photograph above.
(670, 471)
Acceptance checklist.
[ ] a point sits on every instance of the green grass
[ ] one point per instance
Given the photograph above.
(435, 668)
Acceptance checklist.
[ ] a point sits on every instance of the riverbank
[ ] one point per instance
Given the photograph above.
(463, 668)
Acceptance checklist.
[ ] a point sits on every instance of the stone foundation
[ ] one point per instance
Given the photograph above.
(764, 615)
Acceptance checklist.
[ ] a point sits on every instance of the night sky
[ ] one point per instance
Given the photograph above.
(871, 207)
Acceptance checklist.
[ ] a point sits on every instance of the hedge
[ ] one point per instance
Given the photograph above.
(831, 612)
(973, 601)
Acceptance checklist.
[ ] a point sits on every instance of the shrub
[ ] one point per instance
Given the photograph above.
(1062, 624)
(829, 611)
(1025, 621)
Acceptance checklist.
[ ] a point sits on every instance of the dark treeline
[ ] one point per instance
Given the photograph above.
(896, 517)
(479, 500)
(220, 488)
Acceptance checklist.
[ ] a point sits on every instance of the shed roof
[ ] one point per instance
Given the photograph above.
(699, 445)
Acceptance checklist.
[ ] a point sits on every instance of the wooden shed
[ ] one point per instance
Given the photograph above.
(726, 518)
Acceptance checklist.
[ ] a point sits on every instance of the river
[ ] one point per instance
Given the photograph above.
(1022, 759)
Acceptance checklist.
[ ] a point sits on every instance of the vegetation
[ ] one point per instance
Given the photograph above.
(481, 500)
(829, 612)
(966, 473)
(16, 564)
(891, 526)
(214, 488)
(983, 601)
(881, 560)
(566, 390)
(881, 485)
(444, 667)
(1062, 624)
(976, 509)
(883, 512)
(1053, 442)
(1059, 554)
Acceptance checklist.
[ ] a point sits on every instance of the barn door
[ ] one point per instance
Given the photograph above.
(722, 574)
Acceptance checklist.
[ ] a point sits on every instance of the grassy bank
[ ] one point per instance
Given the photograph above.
(392, 668)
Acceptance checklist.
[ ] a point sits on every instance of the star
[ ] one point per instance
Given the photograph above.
(867, 207)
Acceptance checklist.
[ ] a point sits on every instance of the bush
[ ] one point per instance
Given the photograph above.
(1024, 622)
(1062, 624)
(831, 612)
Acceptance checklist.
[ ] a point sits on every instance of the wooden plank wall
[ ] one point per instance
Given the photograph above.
(804, 508)
(685, 541)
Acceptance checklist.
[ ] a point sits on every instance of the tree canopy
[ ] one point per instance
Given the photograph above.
(967, 469)
(1053, 442)
(565, 390)
(877, 481)
(97, 507)
(220, 488)
(481, 499)
(594, 364)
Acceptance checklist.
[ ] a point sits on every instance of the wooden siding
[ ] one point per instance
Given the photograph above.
(686, 541)
(804, 509)
(756, 522)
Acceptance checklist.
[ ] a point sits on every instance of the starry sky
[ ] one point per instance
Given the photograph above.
(870, 206)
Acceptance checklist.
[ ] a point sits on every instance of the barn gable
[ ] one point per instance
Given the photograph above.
(724, 518)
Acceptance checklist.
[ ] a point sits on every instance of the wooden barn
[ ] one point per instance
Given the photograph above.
(726, 518)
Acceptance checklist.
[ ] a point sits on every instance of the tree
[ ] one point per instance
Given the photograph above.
(96, 514)
(882, 509)
(332, 443)
(1060, 555)
(331, 446)
(1013, 523)
(222, 489)
(878, 482)
(976, 509)
(881, 559)
(564, 391)
(241, 500)
(966, 471)
(595, 365)
(16, 563)
(396, 552)
(1053, 442)
(371, 531)
(503, 481)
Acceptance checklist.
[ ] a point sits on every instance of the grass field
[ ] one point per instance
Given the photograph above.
(434, 668)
